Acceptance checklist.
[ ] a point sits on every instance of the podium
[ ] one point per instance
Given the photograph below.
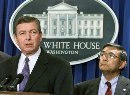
(22, 93)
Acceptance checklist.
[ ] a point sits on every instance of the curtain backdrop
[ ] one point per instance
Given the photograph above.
(84, 71)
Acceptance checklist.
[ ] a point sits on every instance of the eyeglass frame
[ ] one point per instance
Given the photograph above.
(109, 55)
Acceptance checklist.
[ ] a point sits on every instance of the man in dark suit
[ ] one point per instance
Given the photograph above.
(3, 56)
(112, 61)
(48, 74)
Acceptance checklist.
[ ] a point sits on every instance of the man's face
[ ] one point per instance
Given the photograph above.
(28, 37)
(109, 60)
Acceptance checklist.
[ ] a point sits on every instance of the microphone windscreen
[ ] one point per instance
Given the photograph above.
(20, 77)
(6, 79)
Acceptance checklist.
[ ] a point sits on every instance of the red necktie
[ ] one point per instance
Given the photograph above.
(108, 92)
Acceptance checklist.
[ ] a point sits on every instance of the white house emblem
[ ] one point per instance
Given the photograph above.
(71, 30)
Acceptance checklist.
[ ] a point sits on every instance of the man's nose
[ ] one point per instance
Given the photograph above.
(105, 57)
(28, 36)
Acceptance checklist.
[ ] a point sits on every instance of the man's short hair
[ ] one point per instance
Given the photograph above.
(122, 55)
(27, 19)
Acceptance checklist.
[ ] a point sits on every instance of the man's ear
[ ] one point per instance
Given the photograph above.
(122, 64)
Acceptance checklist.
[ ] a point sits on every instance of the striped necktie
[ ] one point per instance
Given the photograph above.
(26, 73)
(108, 92)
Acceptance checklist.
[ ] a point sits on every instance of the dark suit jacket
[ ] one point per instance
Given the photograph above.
(50, 74)
(91, 87)
(3, 56)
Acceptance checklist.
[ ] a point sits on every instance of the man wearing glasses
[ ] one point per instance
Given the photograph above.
(112, 60)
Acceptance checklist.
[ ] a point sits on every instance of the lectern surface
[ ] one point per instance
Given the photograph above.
(21, 93)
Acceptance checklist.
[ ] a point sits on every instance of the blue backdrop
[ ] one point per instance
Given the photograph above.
(81, 72)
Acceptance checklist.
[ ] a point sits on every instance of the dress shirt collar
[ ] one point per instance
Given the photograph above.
(113, 81)
(32, 61)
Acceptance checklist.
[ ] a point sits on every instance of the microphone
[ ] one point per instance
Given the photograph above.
(3, 83)
(16, 81)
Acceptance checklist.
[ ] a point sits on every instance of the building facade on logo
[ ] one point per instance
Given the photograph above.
(63, 21)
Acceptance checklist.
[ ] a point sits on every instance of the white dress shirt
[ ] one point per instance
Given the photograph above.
(32, 61)
(103, 87)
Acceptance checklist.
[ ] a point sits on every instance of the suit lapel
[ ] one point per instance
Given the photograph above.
(122, 85)
(93, 87)
(15, 62)
(38, 70)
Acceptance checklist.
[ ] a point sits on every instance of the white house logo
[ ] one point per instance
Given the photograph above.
(63, 21)
(71, 30)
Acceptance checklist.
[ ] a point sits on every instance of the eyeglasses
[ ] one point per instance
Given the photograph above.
(109, 55)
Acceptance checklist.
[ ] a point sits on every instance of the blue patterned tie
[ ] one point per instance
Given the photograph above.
(25, 73)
